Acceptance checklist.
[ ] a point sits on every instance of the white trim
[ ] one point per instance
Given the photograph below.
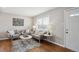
(58, 44)
(4, 38)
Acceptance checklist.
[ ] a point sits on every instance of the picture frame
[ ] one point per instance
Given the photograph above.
(18, 22)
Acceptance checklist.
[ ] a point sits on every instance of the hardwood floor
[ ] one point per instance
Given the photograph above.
(5, 46)
(49, 47)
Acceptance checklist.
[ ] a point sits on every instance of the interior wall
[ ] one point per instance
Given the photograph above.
(57, 20)
(6, 22)
(56, 17)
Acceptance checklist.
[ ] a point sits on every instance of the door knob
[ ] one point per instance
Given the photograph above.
(67, 32)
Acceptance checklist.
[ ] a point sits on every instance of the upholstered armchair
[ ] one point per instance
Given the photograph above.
(13, 35)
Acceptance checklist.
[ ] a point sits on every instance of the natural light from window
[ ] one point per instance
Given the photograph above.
(42, 23)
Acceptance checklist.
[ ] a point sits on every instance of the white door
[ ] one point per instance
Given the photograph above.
(72, 29)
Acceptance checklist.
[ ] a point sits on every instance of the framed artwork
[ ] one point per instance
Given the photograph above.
(18, 22)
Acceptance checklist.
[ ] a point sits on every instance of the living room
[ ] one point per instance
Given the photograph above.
(32, 29)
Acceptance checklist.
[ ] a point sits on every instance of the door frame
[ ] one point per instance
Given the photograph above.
(65, 26)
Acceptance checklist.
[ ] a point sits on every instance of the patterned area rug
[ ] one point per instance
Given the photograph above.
(24, 45)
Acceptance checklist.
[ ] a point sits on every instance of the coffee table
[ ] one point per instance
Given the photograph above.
(25, 37)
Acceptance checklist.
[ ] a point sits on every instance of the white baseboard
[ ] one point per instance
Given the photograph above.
(58, 44)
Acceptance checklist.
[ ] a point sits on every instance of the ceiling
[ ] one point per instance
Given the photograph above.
(25, 11)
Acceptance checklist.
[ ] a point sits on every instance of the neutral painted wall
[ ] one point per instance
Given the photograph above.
(6, 22)
(57, 22)
(57, 19)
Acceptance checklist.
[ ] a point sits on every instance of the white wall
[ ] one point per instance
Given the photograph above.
(57, 22)
(57, 19)
(6, 22)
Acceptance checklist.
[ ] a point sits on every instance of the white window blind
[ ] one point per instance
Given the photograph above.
(42, 23)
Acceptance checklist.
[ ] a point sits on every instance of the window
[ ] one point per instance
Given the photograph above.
(42, 23)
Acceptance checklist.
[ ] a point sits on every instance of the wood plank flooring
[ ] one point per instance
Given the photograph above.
(49, 47)
(6, 45)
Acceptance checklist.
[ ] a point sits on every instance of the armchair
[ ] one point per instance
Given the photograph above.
(13, 35)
